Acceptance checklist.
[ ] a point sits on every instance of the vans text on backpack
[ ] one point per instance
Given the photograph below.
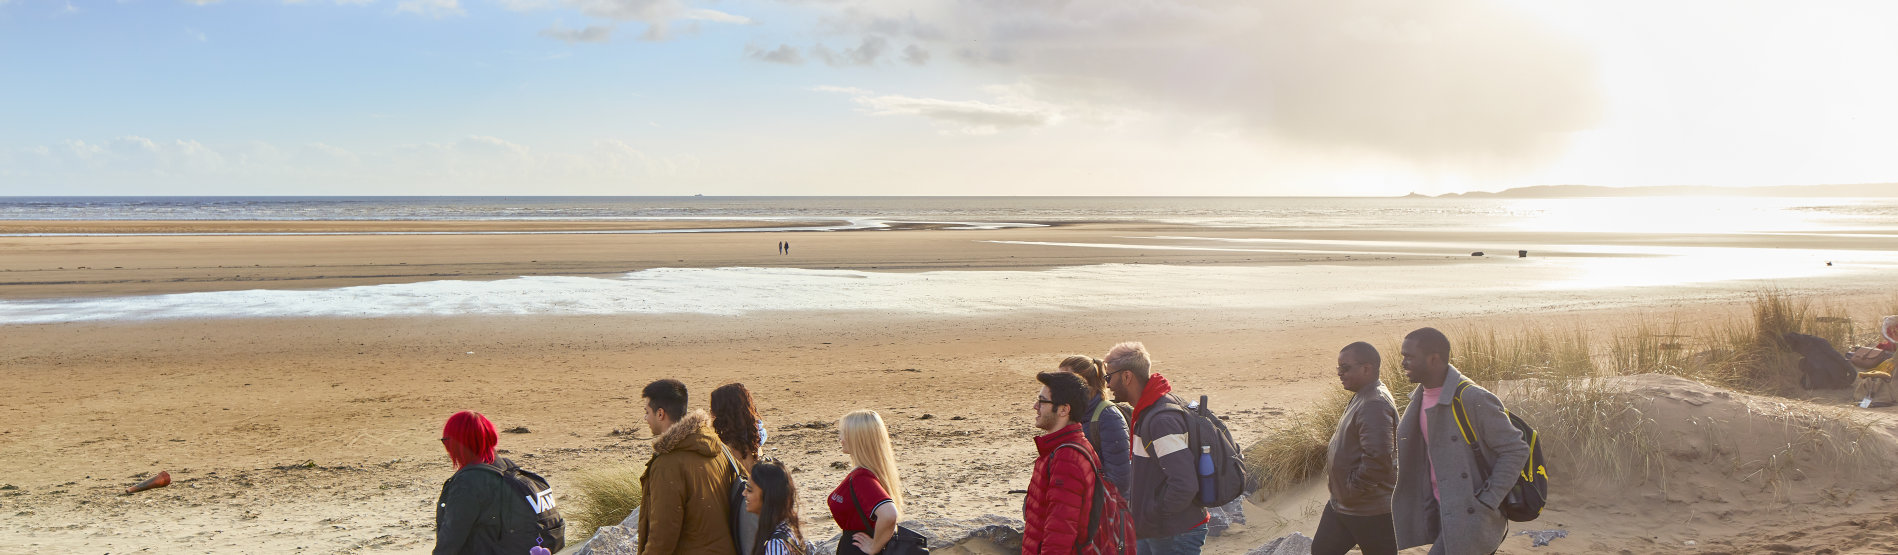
(1222, 469)
(1525, 500)
(536, 506)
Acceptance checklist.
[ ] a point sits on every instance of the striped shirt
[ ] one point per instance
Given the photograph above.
(783, 542)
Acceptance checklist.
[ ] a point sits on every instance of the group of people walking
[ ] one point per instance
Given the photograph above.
(1394, 483)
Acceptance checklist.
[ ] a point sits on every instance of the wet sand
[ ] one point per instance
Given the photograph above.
(319, 435)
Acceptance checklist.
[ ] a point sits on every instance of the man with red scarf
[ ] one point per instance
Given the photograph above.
(1165, 480)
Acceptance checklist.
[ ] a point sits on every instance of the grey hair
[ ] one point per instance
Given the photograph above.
(1129, 356)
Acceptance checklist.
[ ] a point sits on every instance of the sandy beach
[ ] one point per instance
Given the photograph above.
(317, 434)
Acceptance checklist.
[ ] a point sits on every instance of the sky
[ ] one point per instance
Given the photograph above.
(939, 97)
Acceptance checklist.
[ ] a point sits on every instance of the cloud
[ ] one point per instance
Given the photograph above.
(963, 116)
(590, 33)
(1428, 82)
(658, 15)
(864, 53)
(431, 8)
(196, 34)
(783, 54)
(915, 55)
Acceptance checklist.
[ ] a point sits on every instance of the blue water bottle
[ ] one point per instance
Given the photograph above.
(1206, 488)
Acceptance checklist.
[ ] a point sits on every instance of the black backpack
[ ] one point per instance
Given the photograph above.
(1524, 501)
(1206, 434)
(537, 505)
(735, 499)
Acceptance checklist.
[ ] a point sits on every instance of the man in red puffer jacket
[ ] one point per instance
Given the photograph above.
(1063, 483)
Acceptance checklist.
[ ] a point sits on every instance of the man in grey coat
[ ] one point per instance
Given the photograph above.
(1442, 497)
(1361, 462)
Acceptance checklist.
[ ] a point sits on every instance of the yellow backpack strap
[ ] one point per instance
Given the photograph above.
(1462, 418)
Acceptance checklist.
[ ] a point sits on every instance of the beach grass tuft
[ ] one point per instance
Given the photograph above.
(1295, 452)
(606, 497)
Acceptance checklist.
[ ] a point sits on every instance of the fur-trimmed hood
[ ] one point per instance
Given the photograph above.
(690, 434)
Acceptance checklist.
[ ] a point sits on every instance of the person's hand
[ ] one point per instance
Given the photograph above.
(864, 542)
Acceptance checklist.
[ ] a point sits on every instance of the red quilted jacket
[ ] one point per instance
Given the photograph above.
(1058, 493)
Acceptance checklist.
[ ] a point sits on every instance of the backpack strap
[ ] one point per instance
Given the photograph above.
(1463, 426)
(1157, 408)
(868, 518)
(1093, 425)
(1094, 503)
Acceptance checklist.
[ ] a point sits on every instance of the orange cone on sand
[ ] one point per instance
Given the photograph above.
(161, 480)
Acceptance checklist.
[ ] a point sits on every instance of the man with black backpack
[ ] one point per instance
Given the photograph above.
(1166, 483)
(1445, 495)
(685, 506)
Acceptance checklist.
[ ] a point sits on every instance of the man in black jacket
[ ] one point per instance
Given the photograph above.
(1165, 480)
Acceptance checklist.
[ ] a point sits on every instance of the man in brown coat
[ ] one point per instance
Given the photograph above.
(1362, 460)
(684, 507)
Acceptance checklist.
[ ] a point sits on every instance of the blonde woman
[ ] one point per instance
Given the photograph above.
(872, 489)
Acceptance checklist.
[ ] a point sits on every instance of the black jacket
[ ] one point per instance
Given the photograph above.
(473, 517)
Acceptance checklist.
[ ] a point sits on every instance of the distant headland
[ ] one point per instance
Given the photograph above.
(1585, 191)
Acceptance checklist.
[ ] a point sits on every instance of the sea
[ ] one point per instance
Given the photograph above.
(1621, 214)
(1599, 248)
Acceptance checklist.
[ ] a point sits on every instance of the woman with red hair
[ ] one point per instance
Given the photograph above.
(468, 517)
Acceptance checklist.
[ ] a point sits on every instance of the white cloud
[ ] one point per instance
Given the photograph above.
(1442, 81)
(431, 8)
(590, 33)
(962, 116)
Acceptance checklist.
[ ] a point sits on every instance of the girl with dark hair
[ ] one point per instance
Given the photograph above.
(468, 514)
(772, 496)
(735, 419)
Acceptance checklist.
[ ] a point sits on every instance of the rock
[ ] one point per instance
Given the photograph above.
(1236, 510)
(1224, 517)
(1477, 253)
(942, 532)
(1293, 544)
(614, 540)
(517, 430)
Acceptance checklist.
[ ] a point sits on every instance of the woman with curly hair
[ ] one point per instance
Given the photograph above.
(735, 419)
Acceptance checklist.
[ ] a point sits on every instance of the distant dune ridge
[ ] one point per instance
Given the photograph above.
(1584, 191)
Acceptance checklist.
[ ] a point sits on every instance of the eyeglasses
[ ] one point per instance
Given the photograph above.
(1039, 401)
